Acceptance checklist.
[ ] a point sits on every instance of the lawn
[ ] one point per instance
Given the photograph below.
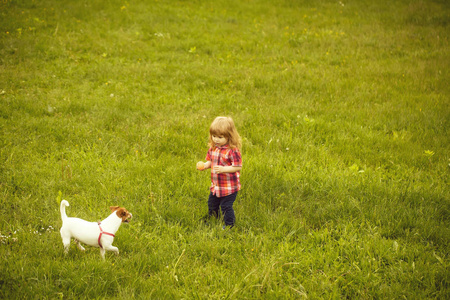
(343, 108)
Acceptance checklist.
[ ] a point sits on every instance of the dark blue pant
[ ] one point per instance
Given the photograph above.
(226, 205)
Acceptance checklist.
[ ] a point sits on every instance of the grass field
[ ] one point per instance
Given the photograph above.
(344, 111)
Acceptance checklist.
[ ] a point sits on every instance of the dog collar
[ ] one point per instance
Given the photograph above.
(101, 233)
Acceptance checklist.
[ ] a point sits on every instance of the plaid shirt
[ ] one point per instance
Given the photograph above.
(224, 184)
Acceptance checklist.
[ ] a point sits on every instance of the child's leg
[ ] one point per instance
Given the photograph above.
(213, 205)
(226, 204)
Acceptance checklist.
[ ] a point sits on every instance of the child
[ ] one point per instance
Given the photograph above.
(225, 161)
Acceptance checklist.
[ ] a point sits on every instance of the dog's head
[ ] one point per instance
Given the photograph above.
(122, 213)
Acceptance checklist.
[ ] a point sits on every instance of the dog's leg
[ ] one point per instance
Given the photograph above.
(66, 243)
(79, 245)
(66, 240)
(66, 237)
(113, 249)
(102, 253)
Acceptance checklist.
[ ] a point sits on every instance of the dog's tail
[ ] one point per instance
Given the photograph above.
(62, 208)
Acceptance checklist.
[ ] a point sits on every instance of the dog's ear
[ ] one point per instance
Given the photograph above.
(114, 208)
(120, 212)
(123, 214)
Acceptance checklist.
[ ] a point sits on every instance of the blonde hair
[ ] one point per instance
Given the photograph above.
(224, 126)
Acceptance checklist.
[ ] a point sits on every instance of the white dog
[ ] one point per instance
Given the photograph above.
(96, 234)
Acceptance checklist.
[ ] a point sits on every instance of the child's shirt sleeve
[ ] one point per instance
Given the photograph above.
(208, 155)
(235, 158)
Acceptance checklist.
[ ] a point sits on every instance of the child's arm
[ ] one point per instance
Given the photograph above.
(226, 169)
(203, 166)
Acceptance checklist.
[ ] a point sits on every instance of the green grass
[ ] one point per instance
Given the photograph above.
(343, 107)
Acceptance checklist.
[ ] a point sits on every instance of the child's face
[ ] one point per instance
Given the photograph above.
(219, 140)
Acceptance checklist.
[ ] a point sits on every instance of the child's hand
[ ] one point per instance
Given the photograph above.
(200, 166)
(218, 169)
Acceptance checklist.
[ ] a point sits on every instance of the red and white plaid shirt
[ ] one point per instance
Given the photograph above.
(224, 184)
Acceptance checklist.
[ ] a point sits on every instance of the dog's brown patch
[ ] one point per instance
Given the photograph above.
(122, 213)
